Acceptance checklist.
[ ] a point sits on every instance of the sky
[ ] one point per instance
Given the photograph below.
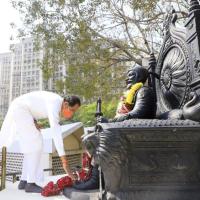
(7, 15)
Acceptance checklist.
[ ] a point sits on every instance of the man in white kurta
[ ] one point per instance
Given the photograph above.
(19, 124)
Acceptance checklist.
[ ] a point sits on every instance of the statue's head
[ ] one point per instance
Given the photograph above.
(135, 75)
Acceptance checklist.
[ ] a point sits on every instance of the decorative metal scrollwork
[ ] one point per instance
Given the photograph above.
(173, 68)
(173, 78)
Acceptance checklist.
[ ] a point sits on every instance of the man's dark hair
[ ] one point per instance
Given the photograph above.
(72, 100)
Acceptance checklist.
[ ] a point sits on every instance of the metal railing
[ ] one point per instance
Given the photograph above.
(15, 175)
(3, 169)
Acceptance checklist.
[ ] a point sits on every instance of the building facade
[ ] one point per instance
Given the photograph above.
(20, 73)
(5, 72)
(26, 75)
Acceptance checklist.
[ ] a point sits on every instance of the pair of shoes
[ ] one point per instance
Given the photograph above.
(29, 187)
(33, 188)
(22, 185)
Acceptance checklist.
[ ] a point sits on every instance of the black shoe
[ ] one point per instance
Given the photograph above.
(22, 185)
(33, 188)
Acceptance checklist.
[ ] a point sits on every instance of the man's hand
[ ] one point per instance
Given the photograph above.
(66, 168)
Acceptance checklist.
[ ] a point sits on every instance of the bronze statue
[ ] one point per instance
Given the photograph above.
(138, 101)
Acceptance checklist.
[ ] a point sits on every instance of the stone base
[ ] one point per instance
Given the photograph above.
(149, 159)
(158, 195)
(81, 195)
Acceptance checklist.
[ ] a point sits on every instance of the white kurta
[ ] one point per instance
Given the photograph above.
(19, 124)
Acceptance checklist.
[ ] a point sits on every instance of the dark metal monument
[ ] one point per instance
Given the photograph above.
(159, 159)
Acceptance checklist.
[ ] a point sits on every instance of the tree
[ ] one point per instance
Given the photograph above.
(92, 36)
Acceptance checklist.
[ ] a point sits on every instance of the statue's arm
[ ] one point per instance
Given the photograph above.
(144, 107)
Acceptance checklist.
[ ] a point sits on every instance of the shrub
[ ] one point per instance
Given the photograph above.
(86, 113)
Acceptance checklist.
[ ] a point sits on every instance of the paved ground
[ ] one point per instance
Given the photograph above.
(12, 193)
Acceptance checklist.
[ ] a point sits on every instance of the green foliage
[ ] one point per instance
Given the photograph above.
(86, 113)
(94, 39)
(90, 80)
(88, 73)
(44, 123)
(60, 86)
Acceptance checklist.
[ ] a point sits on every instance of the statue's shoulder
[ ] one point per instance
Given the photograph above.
(145, 91)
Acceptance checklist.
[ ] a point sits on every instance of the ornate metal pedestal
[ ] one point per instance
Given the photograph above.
(141, 161)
